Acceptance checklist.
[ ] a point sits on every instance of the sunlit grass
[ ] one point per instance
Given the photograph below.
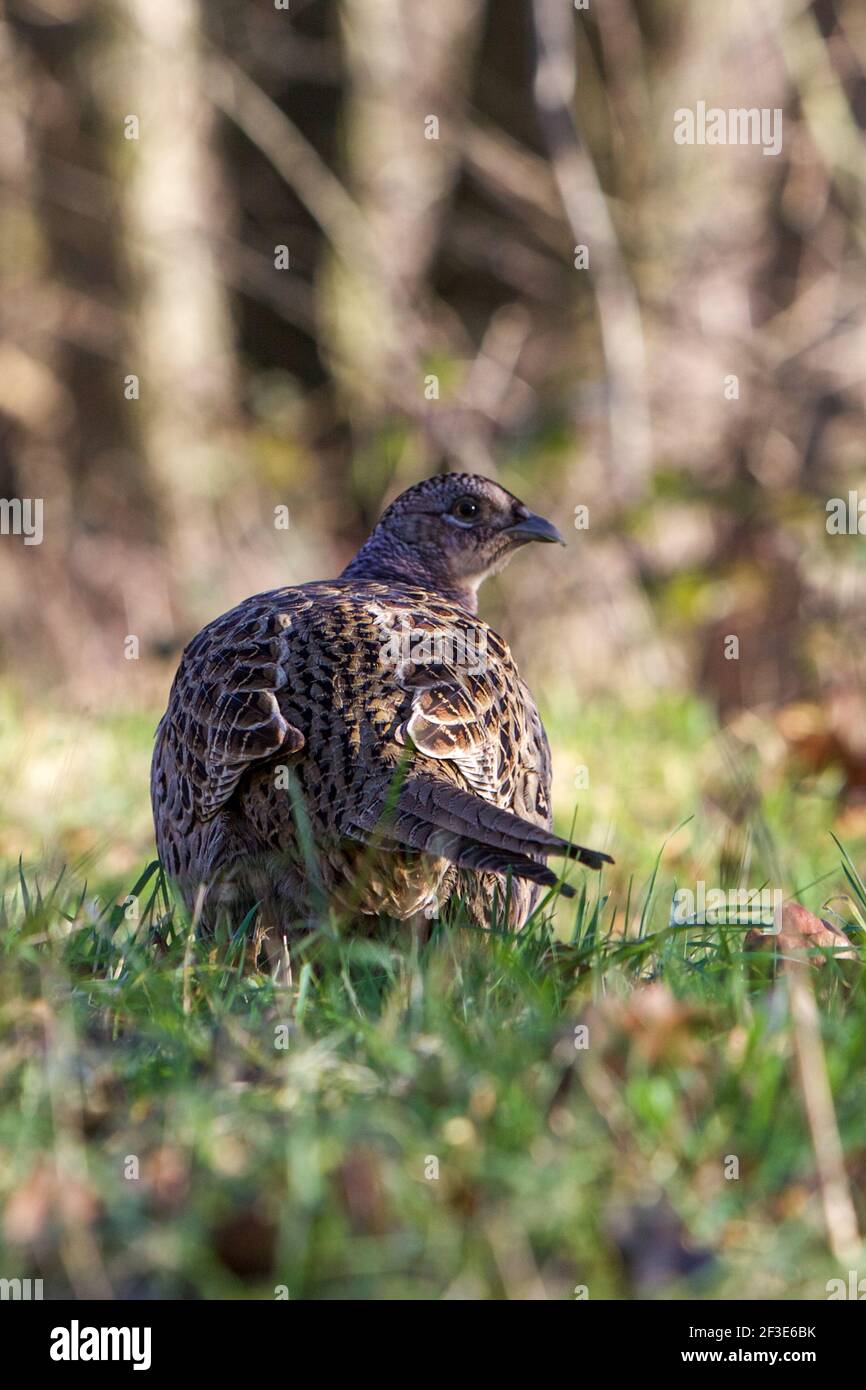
(414, 1119)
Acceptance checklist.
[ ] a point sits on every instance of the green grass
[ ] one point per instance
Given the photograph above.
(173, 1124)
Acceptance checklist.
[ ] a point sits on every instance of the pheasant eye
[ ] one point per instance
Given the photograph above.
(465, 509)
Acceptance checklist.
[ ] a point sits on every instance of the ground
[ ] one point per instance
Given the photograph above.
(606, 1106)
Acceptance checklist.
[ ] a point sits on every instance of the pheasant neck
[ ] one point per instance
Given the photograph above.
(383, 561)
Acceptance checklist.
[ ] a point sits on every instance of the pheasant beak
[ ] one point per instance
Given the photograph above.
(531, 527)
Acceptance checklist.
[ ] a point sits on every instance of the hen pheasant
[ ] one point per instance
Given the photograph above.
(366, 740)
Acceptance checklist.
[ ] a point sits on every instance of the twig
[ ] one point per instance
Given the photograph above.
(591, 225)
(840, 1217)
(188, 948)
(347, 230)
(294, 158)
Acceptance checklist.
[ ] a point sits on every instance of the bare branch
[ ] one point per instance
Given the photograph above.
(591, 225)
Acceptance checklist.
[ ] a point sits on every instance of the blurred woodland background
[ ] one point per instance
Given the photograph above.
(266, 262)
(271, 255)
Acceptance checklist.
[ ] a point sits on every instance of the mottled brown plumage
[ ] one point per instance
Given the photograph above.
(367, 740)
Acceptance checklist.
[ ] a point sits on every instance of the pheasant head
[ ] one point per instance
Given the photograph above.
(447, 535)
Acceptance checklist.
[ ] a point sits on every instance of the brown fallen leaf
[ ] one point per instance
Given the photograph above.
(165, 1174)
(47, 1197)
(831, 734)
(657, 1025)
(360, 1184)
(245, 1241)
(803, 931)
